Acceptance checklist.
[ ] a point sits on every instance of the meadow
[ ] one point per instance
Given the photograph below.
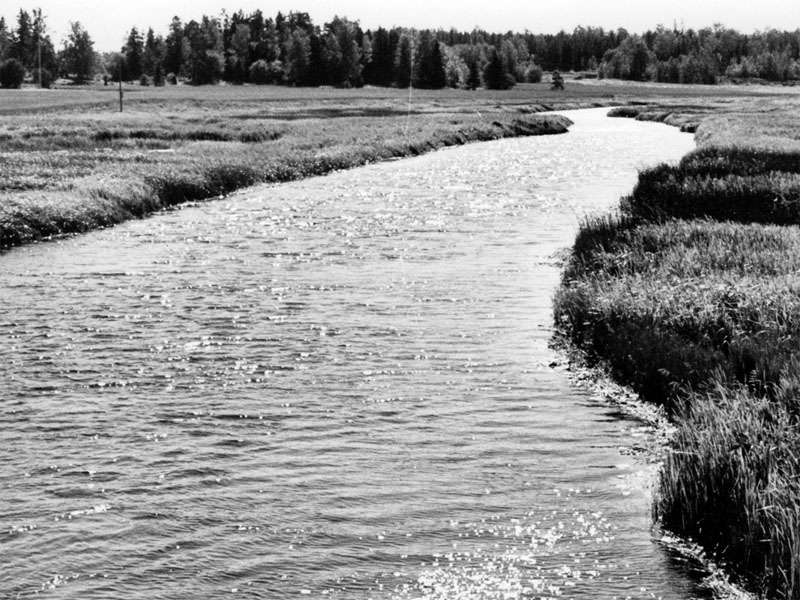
(71, 162)
(690, 294)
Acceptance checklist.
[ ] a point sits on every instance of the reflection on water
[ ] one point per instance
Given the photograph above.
(333, 388)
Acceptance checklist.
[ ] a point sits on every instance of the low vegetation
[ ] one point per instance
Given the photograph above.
(691, 295)
(75, 170)
(70, 162)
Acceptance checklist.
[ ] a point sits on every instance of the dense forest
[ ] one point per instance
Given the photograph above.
(292, 50)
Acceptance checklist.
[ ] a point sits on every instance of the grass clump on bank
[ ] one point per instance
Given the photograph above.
(691, 294)
(734, 184)
(732, 481)
(668, 306)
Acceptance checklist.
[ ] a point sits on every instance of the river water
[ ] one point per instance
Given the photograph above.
(334, 388)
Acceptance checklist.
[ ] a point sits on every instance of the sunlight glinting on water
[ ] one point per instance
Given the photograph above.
(339, 387)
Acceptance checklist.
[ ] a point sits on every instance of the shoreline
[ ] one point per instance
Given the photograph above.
(658, 436)
(105, 201)
(686, 296)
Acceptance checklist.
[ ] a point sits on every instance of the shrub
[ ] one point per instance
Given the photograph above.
(158, 77)
(259, 72)
(533, 74)
(43, 77)
(172, 79)
(12, 73)
(145, 80)
(626, 112)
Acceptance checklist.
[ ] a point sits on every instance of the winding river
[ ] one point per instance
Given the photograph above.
(334, 388)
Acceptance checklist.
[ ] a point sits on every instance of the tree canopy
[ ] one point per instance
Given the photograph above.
(291, 49)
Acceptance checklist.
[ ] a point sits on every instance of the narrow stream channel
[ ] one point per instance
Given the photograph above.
(334, 388)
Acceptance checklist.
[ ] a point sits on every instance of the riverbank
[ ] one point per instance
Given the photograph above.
(69, 163)
(689, 294)
(345, 374)
(63, 174)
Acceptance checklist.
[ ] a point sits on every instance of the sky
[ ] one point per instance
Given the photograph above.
(108, 22)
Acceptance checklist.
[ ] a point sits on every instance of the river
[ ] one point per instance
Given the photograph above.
(334, 388)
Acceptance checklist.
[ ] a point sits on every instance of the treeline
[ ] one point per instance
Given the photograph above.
(292, 50)
(705, 56)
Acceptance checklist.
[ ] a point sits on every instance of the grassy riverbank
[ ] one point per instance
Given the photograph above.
(691, 295)
(71, 171)
(70, 163)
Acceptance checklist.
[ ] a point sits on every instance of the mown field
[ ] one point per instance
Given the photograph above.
(71, 162)
(691, 294)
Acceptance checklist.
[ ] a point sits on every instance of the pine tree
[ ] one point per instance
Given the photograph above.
(495, 76)
(380, 70)
(438, 77)
(5, 39)
(298, 58)
(206, 61)
(134, 55)
(403, 64)
(22, 39)
(316, 65)
(152, 53)
(239, 53)
(174, 58)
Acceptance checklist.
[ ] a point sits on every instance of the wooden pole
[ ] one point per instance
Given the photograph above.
(120, 85)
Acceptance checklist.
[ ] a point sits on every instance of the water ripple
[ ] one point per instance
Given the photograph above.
(334, 388)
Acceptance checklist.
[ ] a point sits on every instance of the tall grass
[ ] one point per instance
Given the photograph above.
(691, 294)
(732, 482)
(736, 184)
(668, 306)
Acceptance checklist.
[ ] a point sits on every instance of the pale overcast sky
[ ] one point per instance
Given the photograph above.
(108, 22)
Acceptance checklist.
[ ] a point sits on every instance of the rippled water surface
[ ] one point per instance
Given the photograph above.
(339, 388)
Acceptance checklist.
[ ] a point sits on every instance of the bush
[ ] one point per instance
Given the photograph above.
(45, 78)
(172, 79)
(158, 77)
(262, 72)
(533, 74)
(12, 73)
(145, 80)
(259, 72)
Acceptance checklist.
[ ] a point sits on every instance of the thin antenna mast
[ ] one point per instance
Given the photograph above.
(410, 84)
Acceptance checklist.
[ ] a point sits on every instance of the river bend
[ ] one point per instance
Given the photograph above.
(334, 388)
